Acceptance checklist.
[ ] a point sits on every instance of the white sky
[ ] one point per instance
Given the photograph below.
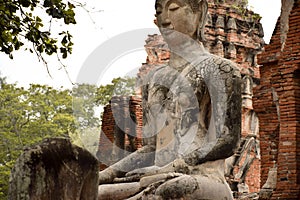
(117, 16)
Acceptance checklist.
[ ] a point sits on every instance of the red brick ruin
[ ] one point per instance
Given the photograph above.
(122, 123)
(276, 102)
(267, 163)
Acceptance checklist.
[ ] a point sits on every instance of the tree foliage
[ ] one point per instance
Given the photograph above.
(87, 132)
(118, 86)
(84, 105)
(86, 101)
(29, 115)
(23, 21)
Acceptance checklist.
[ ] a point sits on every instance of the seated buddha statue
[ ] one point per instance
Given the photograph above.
(191, 117)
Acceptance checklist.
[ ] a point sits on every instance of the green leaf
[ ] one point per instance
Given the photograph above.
(70, 5)
(47, 3)
(64, 41)
(25, 3)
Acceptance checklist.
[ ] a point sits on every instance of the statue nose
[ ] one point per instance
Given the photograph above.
(166, 23)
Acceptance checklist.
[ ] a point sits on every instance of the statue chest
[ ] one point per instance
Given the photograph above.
(182, 114)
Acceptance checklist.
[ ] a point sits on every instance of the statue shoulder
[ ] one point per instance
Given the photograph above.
(225, 66)
(154, 73)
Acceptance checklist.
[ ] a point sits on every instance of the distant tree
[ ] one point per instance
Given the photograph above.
(118, 86)
(84, 106)
(24, 21)
(50, 112)
(86, 100)
(11, 121)
(88, 128)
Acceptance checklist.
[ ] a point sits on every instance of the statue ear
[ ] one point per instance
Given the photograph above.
(203, 8)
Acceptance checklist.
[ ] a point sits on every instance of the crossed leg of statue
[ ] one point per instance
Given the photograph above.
(168, 186)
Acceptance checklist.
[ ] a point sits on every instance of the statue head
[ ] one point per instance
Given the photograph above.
(185, 16)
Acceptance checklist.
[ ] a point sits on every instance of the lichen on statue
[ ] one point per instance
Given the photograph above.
(191, 117)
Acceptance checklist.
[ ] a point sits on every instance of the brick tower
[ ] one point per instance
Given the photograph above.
(276, 103)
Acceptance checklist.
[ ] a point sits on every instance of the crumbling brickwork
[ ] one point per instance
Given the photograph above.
(276, 103)
(121, 129)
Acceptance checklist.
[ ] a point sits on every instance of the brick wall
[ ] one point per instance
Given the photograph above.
(276, 102)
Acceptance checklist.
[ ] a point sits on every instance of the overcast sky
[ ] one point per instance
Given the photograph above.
(110, 19)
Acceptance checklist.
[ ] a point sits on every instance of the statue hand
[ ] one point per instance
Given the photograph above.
(180, 166)
(190, 159)
(143, 171)
(197, 157)
(107, 176)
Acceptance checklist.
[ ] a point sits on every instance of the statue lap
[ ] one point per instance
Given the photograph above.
(204, 181)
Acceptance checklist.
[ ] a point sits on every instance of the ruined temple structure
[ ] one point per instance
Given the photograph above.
(232, 32)
(121, 128)
(276, 102)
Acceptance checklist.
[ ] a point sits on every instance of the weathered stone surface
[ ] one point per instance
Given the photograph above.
(148, 180)
(54, 169)
(272, 179)
(268, 188)
(118, 191)
(193, 187)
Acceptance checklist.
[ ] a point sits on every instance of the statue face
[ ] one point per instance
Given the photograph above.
(177, 15)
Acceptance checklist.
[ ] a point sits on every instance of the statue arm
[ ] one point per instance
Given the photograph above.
(141, 158)
(225, 91)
